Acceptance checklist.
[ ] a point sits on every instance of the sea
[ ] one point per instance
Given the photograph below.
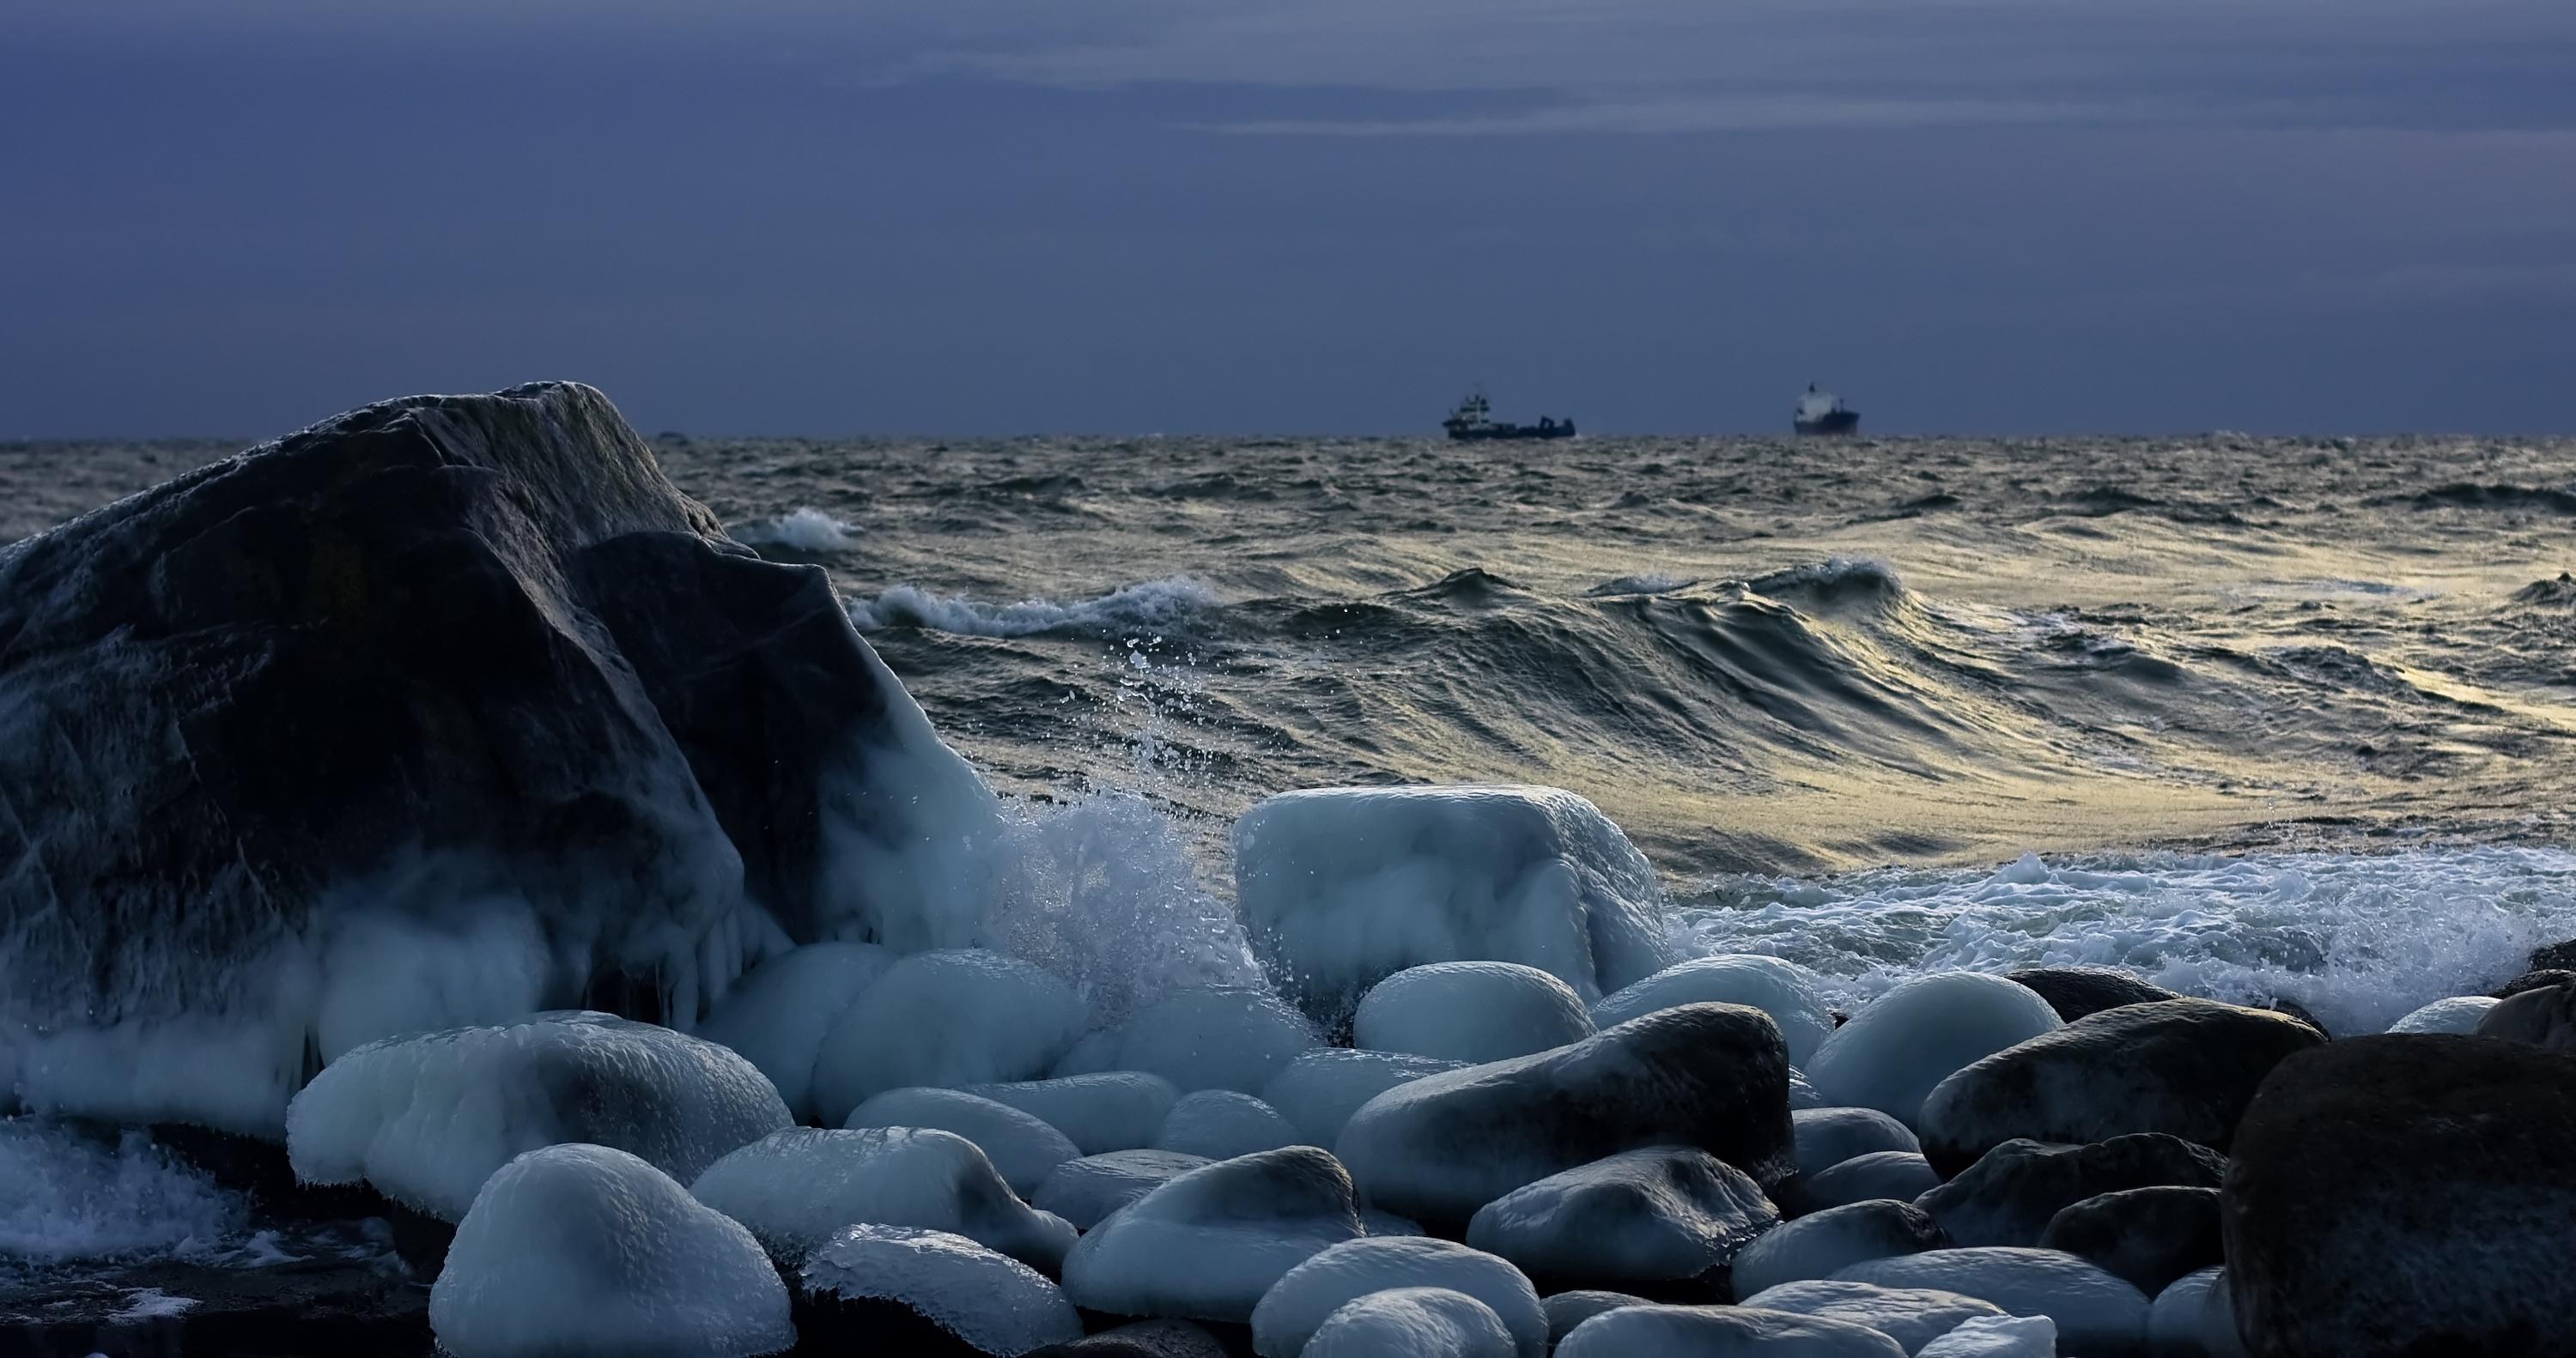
(2254, 717)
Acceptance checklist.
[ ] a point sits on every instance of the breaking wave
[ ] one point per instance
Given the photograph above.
(1154, 606)
(807, 530)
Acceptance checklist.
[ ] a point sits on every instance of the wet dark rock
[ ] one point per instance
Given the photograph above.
(2149, 1236)
(2532, 980)
(2075, 992)
(2544, 1016)
(310, 1308)
(2554, 956)
(1818, 1246)
(1149, 1339)
(2407, 1195)
(1566, 1310)
(2283, 1004)
(1903, 1175)
(2009, 1196)
(1662, 1222)
(2184, 1067)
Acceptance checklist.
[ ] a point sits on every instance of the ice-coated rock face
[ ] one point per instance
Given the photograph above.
(1207, 1245)
(1819, 1245)
(1112, 1110)
(793, 1189)
(2458, 1014)
(1470, 1012)
(2095, 1313)
(1343, 887)
(1711, 1076)
(1211, 1037)
(945, 1019)
(947, 1287)
(1663, 1221)
(1320, 1090)
(573, 1251)
(1902, 1175)
(2079, 992)
(2148, 1236)
(2406, 1194)
(1024, 1149)
(1084, 1191)
(1829, 1136)
(1412, 1322)
(426, 1119)
(1655, 1331)
(438, 713)
(1910, 1039)
(778, 1014)
(1782, 989)
(1997, 1337)
(1912, 1316)
(1299, 1303)
(2185, 1068)
(2544, 1016)
(1221, 1124)
(2011, 1194)
(2195, 1318)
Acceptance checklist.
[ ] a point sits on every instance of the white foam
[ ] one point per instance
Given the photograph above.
(1153, 606)
(70, 1195)
(807, 529)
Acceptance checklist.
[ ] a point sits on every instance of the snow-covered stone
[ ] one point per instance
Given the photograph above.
(1320, 1090)
(2458, 1014)
(1343, 887)
(1721, 1332)
(1299, 1303)
(1903, 1175)
(777, 1014)
(945, 1019)
(1780, 988)
(1208, 1244)
(1565, 1310)
(1084, 1191)
(795, 1188)
(1829, 1136)
(1900, 1045)
(1110, 1110)
(427, 1119)
(1023, 1148)
(1221, 1124)
(947, 1287)
(572, 1251)
(1470, 1012)
(1997, 1337)
(2009, 1196)
(1666, 1220)
(2194, 1318)
(1711, 1076)
(2097, 1315)
(1820, 1245)
(1912, 1316)
(1209, 1037)
(1412, 1322)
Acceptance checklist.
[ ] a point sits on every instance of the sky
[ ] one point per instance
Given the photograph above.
(974, 217)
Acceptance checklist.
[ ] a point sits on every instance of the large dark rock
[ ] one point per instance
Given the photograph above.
(435, 694)
(1663, 1222)
(2554, 956)
(2182, 1067)
(2407, 1195)
(2077, 992)
(2532, 980)
(2149, 1236)
(2544, 1016)
(1144, 1339)
(1711, 1076)
(2009, 1196)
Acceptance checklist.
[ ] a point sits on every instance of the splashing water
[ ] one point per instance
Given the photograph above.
(73, 1197)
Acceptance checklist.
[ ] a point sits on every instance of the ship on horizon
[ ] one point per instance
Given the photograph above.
(1473, 422)
(1822, 412)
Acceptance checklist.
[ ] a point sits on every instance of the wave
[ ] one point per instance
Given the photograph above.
(2558, 593)
(2487, 495)
(1652, 582)
(808, 530)
(1155, 606)
(1834, 582)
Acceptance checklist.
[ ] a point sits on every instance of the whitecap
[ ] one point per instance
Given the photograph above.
(1152, 606)
(806, 530)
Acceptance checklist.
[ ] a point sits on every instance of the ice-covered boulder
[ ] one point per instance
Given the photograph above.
(1829, 1136)
(1412, 1322)
(1023, 1148)
(2097, 1315)
(2078, 992)
(1910, 1039)
(2185, 1068)
(1664, 1222)
(1912, 1316)
(438, 713)
(793, 1189)
(1711, 1076)
(885, 1289)
(2408, 1194)
(572, 1251)
(2458, 1014)
(1902, 1175)
(1470, 1011)
(2195, 1318)
(1782, 989)
(1086, 1190)
(1299, 1303)
(960, 1016)
(1997, 1337)
(1111, 1110)
(1711, 1331)
(1343, 887)
(425, 1120)
(1221, 1124)
(2010, 1194)
(778, 1015)
(1320, 1090)
(1210, 1037)
(2148, 1236)
(1820, 1245)
(1566, 1310)
(2544, 1016)
(1208, 1244)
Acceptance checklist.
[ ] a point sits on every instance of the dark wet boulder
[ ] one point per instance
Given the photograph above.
(448, 696)
(2184, 1068)
(1662, 1222)
(2009, 1196)
(1820, 1245)
(2407, 1194)
(1710, 1076)
(1879, 1174)
(2149, 1236)
(1143, 1339)
(2544, 1016)
(2554, 956)
(1566, 1310)
(2532, 980)
(2077, 992)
